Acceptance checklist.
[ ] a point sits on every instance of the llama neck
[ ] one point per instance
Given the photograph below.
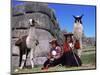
(78, 26)
(78, 30)
(32, 32)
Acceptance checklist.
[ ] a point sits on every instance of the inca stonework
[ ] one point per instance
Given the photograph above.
(46, 28)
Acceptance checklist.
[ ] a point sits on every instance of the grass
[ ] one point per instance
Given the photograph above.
(88, 60)
(53, 69)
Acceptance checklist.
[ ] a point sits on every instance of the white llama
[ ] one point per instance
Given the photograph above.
(31, 42)
(78, 31)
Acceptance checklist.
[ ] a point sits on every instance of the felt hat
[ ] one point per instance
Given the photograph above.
(53, 41)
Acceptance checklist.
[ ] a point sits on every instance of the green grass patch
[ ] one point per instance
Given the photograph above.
(53, 69)
(88, 58)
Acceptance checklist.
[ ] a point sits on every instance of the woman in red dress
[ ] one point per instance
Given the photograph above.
(71, 59)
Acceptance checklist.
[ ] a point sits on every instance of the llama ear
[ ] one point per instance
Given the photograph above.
(81, 16)
(30, 21)
(74, 17)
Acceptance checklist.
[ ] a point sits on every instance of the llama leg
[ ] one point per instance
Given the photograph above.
(20, 59)
(23, 61)
(27, 52)
(32, 55)
(31, 58)
(80, 50)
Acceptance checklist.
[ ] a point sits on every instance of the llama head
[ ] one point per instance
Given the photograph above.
(78, 19)
(78, 27)
(18, 42)
(32, 22)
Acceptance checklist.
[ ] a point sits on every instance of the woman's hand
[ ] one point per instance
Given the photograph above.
(49, 56)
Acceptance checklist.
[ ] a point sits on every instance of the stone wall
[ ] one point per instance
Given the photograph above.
(47, 27)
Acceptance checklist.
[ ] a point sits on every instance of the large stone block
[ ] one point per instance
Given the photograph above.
(20, 22)
(15, 50)
(18, 10)
(19, 33)
(37, 61)
(42, 19)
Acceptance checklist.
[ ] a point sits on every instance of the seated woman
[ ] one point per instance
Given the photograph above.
(71, 59)
(54, 56)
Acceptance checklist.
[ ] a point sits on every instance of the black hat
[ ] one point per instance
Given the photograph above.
(53, 41)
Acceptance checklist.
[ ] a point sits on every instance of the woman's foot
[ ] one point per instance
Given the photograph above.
(44, 68)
